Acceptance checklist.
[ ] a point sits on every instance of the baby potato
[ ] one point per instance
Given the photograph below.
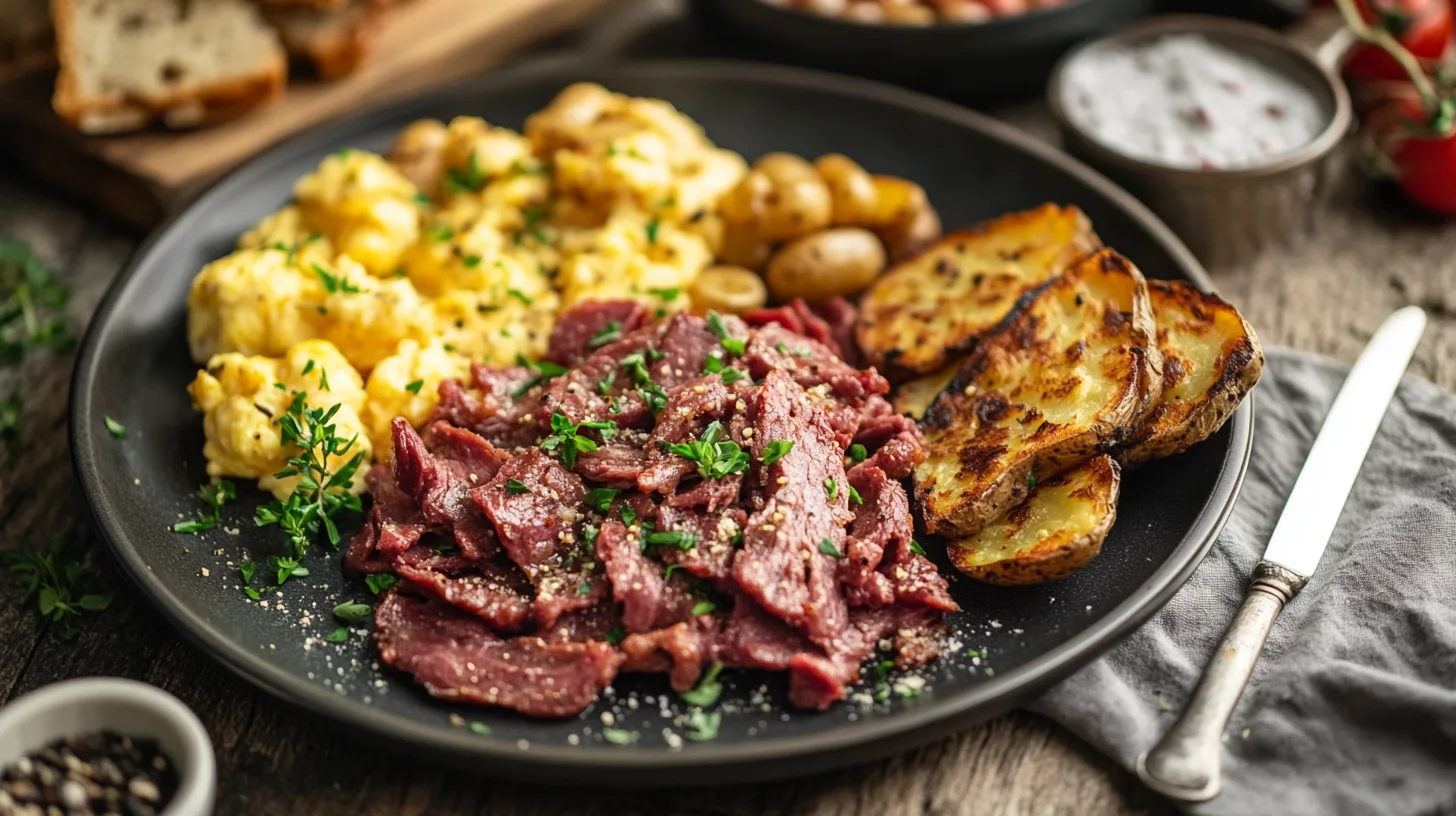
(851, 189)
(900, 218)
(839, 261)
(417, 153)
(739, 245)
(782, 197)
(730, 289)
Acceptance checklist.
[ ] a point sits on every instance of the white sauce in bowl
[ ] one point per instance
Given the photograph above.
(1183, 101)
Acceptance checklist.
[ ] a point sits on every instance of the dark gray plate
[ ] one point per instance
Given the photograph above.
(134, 364)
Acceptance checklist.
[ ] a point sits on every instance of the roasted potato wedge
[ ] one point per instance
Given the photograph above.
(1211, 358)
(923, 312)
(1066, 376)
(1053, 533)
(914, 397)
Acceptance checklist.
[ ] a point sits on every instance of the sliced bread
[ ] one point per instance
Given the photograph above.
(335, 41)
(127, 63)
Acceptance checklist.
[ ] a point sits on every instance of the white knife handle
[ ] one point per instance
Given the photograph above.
(1185, 763)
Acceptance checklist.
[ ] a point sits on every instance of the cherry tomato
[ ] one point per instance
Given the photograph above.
(1428, 37)
(1425, 167)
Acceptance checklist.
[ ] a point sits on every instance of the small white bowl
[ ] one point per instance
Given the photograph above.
(127, 707)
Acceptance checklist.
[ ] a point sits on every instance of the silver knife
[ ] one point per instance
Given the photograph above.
(1185, 763)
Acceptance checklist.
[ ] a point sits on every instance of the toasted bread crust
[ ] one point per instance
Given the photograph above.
(184, 108)
(926, 310)
(1068, 374)
(1058, 529)
(1212, 359)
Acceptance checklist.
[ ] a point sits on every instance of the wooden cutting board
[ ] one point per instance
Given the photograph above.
(142, 178)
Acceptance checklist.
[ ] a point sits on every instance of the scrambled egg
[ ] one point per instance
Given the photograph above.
(463, 246)
(242, 398)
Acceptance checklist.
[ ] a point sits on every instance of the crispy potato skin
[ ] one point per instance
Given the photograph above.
(925, 310)
(1067, 375)
(914, 398)
(1058, 528)
(1211, 359)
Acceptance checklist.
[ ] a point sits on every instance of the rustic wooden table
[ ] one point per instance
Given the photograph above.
(1369, 254)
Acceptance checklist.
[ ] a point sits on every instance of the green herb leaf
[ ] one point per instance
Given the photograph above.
(515, 487)
(733, 345)
(776, 450)
(286, 568)
(339, 635)
(703, 608)
(652, 227)
(615, 635)
(854, 495)
(351, 611)
(708, 689)
(653, 397)
(715, 457)
(334, 283)
(519, 295)
(544, 371)
(480, 728)
(857, 452)
(916, 548)
(600, 498)
(379, 582)
(10, 417)
(246, 569)
(1031, 480)
(827, 547)
(471, 179)
(669, 294)
(629, 516)
(323, 489)
(733, 375)
(674, 538)
(618, 736)
(53, 577)
(832, 488)
(414, 387)
(566, 440)
(703, 726)
(116, 429)
(609, 333)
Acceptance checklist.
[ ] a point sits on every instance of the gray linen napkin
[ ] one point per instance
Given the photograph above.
(1352, 709)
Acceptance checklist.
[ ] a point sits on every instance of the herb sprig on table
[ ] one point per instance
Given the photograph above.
(55, 577)
(32, 316)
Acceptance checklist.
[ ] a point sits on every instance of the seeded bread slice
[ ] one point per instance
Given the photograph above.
(127, 63)
(335, 41)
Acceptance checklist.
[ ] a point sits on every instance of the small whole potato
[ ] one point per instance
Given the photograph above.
(919, 234)
(730, 289)
(739, 245)
(416, 152)
(851, 189)
(782, 197)
(839, 261)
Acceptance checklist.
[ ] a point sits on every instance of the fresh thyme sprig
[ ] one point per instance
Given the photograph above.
(321, 493)
(32, 304)
(215, 496)
(53, 578)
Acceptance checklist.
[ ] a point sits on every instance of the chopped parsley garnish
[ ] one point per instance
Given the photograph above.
(708, 689)
(781, 348)
(339, 635)
(703, 725)
(667, 573)
(629, 516)
(532, 226)
(116, 429)
(247, 569)
(715, 457)
(471, 179)
(604, 385)
(380, 582)
(471, 261)
(322, 490)
(414, 387)
(882, 679)
(567, 441)
(584, 588)
(653, 397)
(286, 568)
(673, 538)
(324, 380)
(615, 635)
(334, 283)
(480, 728)
(703, 608)
(53, 578)
(916, 548)
(1031, 480)
(516, 487)
(636, 365)
(609, 333)
(308, 367)
(857, 452)
(832, 488)
(853, 495)
(652, 227)
(351, 611)
(776, 450)
(733, 345)
(544, 370)
(521, 296)
(669, 294)
(732, 375)
(421, 198)
(827, 547)
(619, 736)
(441, 232)
(713, 364)
(589, 533)
(215, 496)
(600, 498)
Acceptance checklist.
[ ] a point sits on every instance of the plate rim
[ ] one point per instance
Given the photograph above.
(707, 763)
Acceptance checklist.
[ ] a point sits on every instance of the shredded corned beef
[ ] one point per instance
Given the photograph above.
(679, 497)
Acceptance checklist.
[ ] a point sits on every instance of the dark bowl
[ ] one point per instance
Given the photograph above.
(961, 60)
(134, 363)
